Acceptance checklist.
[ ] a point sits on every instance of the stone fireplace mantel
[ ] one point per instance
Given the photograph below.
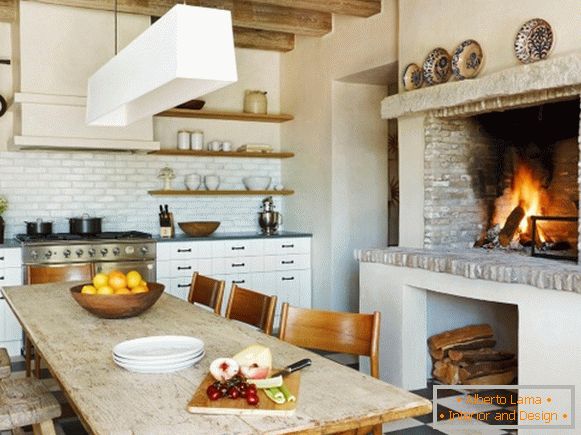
(552, 79)
(498, 266)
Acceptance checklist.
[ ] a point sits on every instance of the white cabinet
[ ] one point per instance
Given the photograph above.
(10, 274)
(277, 266)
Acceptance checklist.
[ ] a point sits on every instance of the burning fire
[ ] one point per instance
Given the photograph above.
(527, 192)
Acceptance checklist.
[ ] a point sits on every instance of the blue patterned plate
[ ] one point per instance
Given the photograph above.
(533, 41)
(413, 77)
(467, 60)
(437, 67)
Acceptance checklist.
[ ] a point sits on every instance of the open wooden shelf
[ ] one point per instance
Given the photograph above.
(228, 116)
(219, 192)
(192, 153)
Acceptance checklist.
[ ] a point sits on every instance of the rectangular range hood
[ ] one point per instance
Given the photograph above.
(187, 53)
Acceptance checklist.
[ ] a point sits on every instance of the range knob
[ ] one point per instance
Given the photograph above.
(91, 252)
(104, 251)
(67, 253)
(144, 250)
(48, 254)
(79, 252)
(34, 254)
(116, 251)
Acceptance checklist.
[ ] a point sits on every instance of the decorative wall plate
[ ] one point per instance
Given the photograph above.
(413, 77)
(533, 41)
(467, 60)
(437, 67)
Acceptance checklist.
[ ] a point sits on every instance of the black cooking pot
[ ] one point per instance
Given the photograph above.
(38, 228)
(85, 225)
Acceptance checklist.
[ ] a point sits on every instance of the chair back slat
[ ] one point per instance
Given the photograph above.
(207, 291)
(251, 307)
(332, 331)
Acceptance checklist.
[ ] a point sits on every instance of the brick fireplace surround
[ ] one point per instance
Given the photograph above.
(546, 293)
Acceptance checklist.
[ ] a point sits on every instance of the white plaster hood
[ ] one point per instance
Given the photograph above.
(550, 79)
(55, 61)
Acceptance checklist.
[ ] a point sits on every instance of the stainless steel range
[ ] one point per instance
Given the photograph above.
(123, 251)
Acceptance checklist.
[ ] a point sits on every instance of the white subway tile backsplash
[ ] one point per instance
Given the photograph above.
(58, 185)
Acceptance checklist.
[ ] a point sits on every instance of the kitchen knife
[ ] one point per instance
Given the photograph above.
(293, 367)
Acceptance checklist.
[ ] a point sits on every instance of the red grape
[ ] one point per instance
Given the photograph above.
(233, 393)
(213, 393)
(252, 399)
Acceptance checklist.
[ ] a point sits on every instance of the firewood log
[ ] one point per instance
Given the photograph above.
(485, 368)
(446, 372)
(511, 225)
(474, 344)
(455, 337)
(483, 354)
(504, 378)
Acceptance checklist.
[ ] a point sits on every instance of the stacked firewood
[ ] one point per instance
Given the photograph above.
(466, 356)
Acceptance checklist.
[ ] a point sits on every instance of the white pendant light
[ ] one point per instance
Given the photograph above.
(187, 53)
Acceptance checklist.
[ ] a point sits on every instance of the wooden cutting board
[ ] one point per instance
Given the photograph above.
(200, 404)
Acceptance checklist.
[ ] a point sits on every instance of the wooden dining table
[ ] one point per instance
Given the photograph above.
(77, 348)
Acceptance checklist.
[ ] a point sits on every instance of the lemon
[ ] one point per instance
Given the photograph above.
(88, 290)
(100, 280)
(134, 279)
(139, 289)
(267, 383)
(122, 291)
(105, 290)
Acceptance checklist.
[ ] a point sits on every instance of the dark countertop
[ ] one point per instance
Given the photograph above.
(10, 243)
(232, 236)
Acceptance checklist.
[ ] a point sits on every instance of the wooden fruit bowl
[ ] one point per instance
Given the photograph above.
(199, 229)
(118, 306)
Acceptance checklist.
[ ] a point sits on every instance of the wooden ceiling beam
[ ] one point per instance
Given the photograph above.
(358, 8)
(244, 13)
(263, 39)
(8, 10)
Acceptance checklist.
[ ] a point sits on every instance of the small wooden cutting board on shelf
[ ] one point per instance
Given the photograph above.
(200, 404)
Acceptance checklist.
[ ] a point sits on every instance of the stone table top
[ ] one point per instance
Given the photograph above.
(500, 266)
(110, 400)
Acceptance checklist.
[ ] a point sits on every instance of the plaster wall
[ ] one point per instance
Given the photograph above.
(308, 73)
(493, 23)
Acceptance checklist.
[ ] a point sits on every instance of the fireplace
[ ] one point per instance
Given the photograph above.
(489, 177)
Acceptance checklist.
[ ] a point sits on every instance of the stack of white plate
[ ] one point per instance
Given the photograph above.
(159, 354)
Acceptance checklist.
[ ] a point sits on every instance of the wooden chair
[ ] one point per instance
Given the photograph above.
(251, 307)
(44, 275)
(24, 402)
(207, 291)
(333, 331)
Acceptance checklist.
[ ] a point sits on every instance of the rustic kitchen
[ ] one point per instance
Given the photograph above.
(215, 215)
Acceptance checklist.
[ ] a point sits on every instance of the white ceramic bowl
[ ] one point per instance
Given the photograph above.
(193, 181)
(256, 183)
(212, 182)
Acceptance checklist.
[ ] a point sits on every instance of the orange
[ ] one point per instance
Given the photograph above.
(117, 280)
(140, 289)
(123, 291)
(105, 290)
(133, 279)
(100, 280)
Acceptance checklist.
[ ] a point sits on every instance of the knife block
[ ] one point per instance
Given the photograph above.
(167, 232)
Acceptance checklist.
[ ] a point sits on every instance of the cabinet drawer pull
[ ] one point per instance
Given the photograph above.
(238, 264)
(240, 281)
(184, 285)
(185, 250)
(287, 262)
(288, 246)
(238, 248)
(185, 268)
(1, 278)
(290, 278)
(1, 258)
